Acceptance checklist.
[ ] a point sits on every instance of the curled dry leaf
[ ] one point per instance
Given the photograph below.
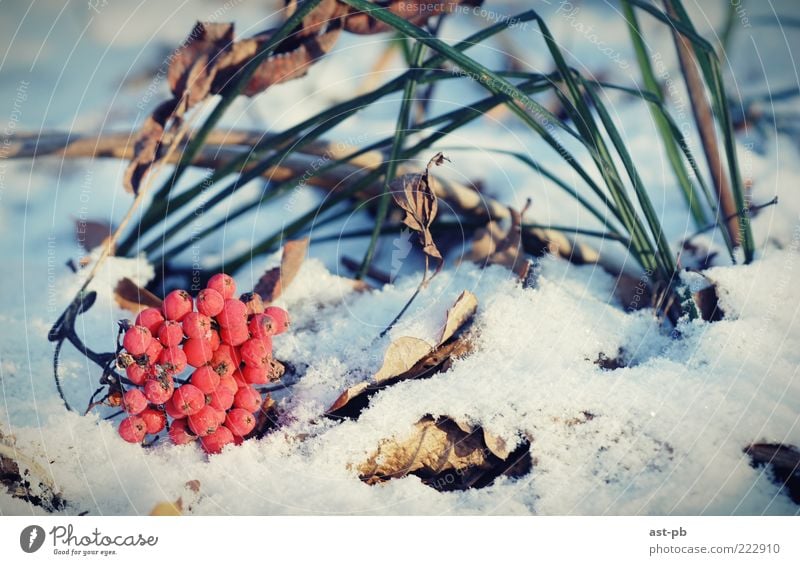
(91, 233)
(414, 195)
(707, 302)
(272, 283)
(410, 357)
(492, 246)
(133, 298)
(783, 462)
(447, 455)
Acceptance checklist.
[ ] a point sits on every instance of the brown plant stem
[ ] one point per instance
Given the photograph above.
(705, 127)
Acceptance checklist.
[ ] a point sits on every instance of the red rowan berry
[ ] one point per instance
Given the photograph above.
(204, 422)
(173, 360)
(228, 382)
(256, 375)
(234, 335)
(215, 340)
(132, 429)
(224, 284)
(153, 351)
(158, 391)
(234, 314)
(177, 304)
(188, 399)
(136, 373)
(154, 420)
(150, 318)
(281, 318)
(254, 353)
(214, 442)
(173, 412)
(221, 399)
(261, 326)
(247, 398)
(170, 334)
(137, 339)
(179, 432)
(134, 401)
(229, 352)
(240, 422)
(206, 379)
(196, 325)
(210, 302)
(198, 352)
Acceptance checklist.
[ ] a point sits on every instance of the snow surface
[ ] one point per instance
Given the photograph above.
(667, 431)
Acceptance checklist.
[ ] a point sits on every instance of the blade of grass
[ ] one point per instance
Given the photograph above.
(638, 186)
(403, 122)
(670, 146)
(159, 207)
(649, 257)
(453, 119)
(525, 159)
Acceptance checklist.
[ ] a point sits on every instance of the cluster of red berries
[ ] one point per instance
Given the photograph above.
(226, 343)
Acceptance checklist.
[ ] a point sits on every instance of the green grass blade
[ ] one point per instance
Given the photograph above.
(670, 145)
(638, 186)
(403, 122)
(160, 207)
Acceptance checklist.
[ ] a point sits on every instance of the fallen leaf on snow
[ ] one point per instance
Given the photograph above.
(447, 455)
(133, 298)
(410, 357)
(272, 283)
(492, 246)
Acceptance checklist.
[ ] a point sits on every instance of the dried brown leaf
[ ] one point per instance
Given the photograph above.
(133, 298)
(272, 283)
(402, 354)
(435, 446)
(414, 195)
(459, 313)
(411, 357)
(91, 233)
(707, 302)
(148, 147)
(210, 59)
(784, 463)
(25, 479)
(447, 455)
(493, 247)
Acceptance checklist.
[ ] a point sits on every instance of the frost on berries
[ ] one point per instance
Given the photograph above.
(192, 367)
